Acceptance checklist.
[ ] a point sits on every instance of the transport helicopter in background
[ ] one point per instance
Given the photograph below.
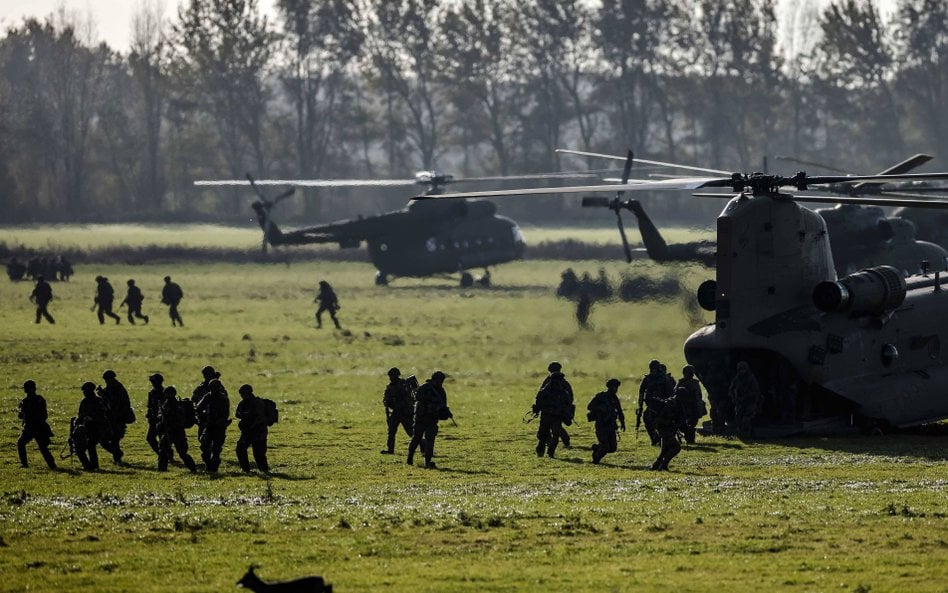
(862, 236)
(830, 354)
(423, 239)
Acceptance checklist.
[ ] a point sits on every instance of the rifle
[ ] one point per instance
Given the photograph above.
(71, 442)
(529, 416)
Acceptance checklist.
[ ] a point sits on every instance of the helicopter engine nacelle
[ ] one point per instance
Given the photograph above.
(899, 230)
(867, 292)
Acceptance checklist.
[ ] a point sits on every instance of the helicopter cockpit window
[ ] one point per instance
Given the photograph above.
(431, 244)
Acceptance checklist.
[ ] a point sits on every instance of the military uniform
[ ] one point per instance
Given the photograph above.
(104, 297)
(327, 300)
(431, 405)
(92, 427)
(691, 403)
(745, 395)
(118, 409)
(213, 412)
(134, 299)
(554, 403)
(33, 415)
(654, 386)
(170, 428)
(155, 396)
(252, 422)
(605, 410)
(42, 294)
(667, 420)
(560, 431)
(399, 405)
(171, 295)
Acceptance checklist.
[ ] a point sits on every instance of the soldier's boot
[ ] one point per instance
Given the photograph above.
(162, 462)
(21, 451)
(146, 319)
(540, 447)
(189, 463)
(597, 453)
(551, 450)
(131, 319)
(243, 460)
(411, 458)
(48, 456)
(430, 465)
(336, 321)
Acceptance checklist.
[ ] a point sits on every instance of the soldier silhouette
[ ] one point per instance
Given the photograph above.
(42, 294)
(327, 300)
(171, 295)
(134, 298)
(33, 415)
(104, 297)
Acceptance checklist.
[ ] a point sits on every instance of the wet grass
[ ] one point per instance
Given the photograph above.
(816, 514)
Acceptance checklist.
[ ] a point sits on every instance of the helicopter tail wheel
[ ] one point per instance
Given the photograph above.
(381, 279)
(467, 280)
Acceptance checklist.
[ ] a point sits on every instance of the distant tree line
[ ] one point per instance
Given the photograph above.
(380, 88)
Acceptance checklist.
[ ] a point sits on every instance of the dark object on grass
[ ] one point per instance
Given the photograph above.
(302, 585)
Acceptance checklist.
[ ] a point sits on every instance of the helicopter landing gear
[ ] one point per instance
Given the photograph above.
(381, 279)
(467, 280)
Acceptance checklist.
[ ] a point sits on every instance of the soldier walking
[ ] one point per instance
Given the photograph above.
(42, 294)
(399, 402)
(744, 392)
(655, 385)
(667, 420)
(33, 416)
(213, 412)
(119, 412)
(253, 420)
(104, 297)
(170, 427)
(91, 427)
(605, 410)
(134, 298)
(431, 405)
(691, 402)
(561, 434)
(171, 295)
(327, 300)
(554, 404)
(155, 397)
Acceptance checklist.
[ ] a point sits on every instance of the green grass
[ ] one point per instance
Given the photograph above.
(847, 514)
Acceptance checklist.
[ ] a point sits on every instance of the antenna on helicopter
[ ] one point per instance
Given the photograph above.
(265, 206)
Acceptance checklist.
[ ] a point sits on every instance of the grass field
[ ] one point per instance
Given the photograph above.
(846, 514)
(99, 236)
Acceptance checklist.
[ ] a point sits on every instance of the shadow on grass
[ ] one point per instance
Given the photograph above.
(570, 459)
(923, 442)
(469, 472)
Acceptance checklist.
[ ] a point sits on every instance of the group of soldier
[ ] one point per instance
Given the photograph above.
(106, 411)
(57, 268)
(417, 409)
(104, 299)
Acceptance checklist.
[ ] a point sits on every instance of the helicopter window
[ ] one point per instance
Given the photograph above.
(383, 247)
(889, 354)
(431, 244)
(477, 242)
(456, 245)
(466, 244)
(490, 240)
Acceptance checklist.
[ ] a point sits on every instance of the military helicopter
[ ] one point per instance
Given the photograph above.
(829, 353)
(864, 236)
(423, 239)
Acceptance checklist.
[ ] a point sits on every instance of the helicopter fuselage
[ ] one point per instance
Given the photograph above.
(865, 347)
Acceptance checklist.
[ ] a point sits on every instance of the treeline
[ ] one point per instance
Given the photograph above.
(380, 88)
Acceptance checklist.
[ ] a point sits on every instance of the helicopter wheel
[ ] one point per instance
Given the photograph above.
(381, 279)
(467, 280)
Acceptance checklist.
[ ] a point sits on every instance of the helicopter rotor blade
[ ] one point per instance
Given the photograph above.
(791, 159)
(625, 240)
(284, 195)
(643, 161)
(596, 202)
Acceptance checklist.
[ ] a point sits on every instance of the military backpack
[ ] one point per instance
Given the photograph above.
(270, 412)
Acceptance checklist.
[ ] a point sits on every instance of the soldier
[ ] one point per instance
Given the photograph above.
(92, 427)
(561, 434)
(605, 409)
(104, 297)
(399, 402)
(431, 405)
(554, 404)
(252, 422)
(569, 284)
(745, 395)
(654, 386)
(134, 298)
(42, 294)
(155, 397)
(327, 302)
(170, 429)
(171, 295)
(204, 387)
(213, 412)
(583, 309)
(119, 412)
(691, 402)
(667, 420)
(33, 416)
(63, 268)
(15, 270)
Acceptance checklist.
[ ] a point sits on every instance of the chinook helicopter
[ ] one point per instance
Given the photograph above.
(829, 353)
(424, 239)
(863, 235)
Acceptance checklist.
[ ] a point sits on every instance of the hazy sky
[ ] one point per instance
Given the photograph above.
(113, 17)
